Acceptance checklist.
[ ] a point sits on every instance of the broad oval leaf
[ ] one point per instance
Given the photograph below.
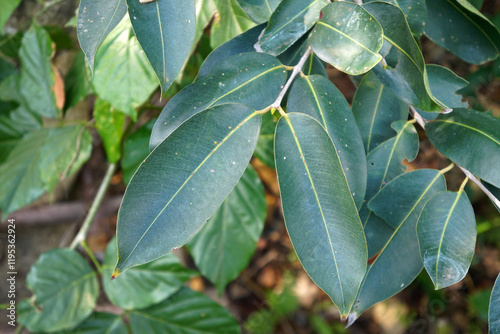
(185, 312)
(165, 30)
(453, 133)
(37, 75)
(101, 323)
(383, 165)
(290, 20)
(415, 12)
(254, 79)
(318, 97)
(408, 79)
(259, 10)
(224, 246)
(375, 108)
(319, 211)
(144, 285)
(398, 263)
(135, 150)
(446, 233)
(494, 309)
(109, 123)
(122, 74)
(183, 182)
(65, 291)
(462, 30)
(230, 21)
(348, 38)
(96, 19)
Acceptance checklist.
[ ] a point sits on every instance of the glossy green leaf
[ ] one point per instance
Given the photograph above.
(96, 19)
(400, 203)
(37, 75)
(240, 44)
(415, 12)
(38, 161)
(462, 30)
(100, 323)
(65, 150)
(265, 145)
(135, 150)
(184, 181)
(184, 313)
(495, 191)
(254, 79)
(494, 309)
(165, 30)
(408, 79)
(375, 108)
(224, 246)
(319, 210)
(293, 55)
(144, 285)
(6, 9)
(471, 139)
(230, 22)
(122, 74)
(290, 20)
(348, 38)
(318, 97)
(383, 165)
(446, 233)
(65, 291)
(109, 123)
(259, 10)
(77, 82)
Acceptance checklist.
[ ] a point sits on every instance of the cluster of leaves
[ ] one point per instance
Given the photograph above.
(346, 197)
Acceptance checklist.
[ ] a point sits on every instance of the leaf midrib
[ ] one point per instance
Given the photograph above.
(468, 127)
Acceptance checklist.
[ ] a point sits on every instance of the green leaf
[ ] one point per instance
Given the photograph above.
(37, 162)
(398, 263)
(144, 285)
(446, 233)
(471, 139)
(415, 12)
(494, 309)
(375, 108)
(265, 145)
(290, 20)
(462, 30)
(101, 323)
(348, 38)
(318, 97)
(495, 191)
(293, 55)
(6, 10)
(230, 22)
(224, 246)
(165, 30)
(65, 292)
(259, 10)
(254, 79)
(122, 74)
(185, 312)
(184, 181)
(240, 44)
(135, 150)
(37, 75)
(96, 19)
(383, 165)
(408, 79)
(77, 82)
(66, 150)
(109, 123)
(319, 211)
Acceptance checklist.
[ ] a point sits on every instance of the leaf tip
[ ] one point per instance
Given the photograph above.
(351, 318)
(115, 274)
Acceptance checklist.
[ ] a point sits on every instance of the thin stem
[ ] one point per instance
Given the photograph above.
(463, 184)
(91, 255)
(82, 234)
(447, 169)
(474, 179)
(296, 70)
(420, 120)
